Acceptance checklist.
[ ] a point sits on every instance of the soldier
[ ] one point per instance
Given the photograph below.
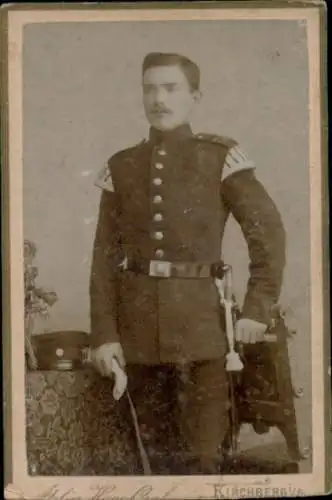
(163, 209)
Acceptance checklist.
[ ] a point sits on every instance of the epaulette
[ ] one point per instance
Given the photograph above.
(104, 179)
(217, 139)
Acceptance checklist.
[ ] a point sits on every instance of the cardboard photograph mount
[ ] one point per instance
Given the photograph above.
(74, 127)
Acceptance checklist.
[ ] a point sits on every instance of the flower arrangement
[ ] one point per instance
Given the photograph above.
(37, 301)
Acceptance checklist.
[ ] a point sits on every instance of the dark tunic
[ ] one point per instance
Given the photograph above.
(187, 180)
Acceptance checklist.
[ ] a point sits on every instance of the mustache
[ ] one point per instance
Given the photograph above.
(159, 109)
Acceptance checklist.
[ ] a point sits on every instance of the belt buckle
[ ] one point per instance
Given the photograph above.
(160, 268)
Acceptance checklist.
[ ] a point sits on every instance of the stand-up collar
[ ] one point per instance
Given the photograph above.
(171, 136)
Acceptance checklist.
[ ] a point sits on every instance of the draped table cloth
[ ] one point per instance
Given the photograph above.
(75, 427)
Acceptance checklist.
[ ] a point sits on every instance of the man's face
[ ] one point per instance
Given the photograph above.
(167, 97)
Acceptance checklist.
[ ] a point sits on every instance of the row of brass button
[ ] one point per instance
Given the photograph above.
(157, 200)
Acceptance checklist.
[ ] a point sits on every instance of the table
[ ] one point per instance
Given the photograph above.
(74, 426)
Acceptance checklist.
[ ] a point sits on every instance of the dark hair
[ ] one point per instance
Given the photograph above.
(189, 68)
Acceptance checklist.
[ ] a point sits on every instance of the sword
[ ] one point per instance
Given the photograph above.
(233, 360)
(224, 286)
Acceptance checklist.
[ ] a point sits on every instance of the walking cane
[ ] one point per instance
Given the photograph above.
(120, 387)
(121, 377)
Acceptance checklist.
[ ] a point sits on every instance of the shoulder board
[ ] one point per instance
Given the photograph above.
(217, 139)
(104, 179)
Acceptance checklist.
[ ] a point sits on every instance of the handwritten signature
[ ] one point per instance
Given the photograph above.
(98, 492)
(255, 489)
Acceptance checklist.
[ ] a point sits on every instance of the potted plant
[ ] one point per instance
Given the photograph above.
(37, 301)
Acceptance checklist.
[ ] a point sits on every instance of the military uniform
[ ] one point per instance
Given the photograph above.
(163, 210)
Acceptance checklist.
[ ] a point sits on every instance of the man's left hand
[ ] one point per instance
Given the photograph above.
(249, 331)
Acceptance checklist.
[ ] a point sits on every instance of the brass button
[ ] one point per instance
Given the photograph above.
(158, 235)
(157, 199)
(157, 181)
(159, 166)
(159, 253)
(158, 217)
(59, 352)
(162, 152)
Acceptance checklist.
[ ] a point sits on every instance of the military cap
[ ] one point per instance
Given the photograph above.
(61, 350)
(189, 68)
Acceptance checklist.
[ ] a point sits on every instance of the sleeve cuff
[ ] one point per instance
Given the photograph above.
(257, 309)
(103, 333)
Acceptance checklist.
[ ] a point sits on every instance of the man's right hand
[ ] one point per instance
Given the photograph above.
(103, 355)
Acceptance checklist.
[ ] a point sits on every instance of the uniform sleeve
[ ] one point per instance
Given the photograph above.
(264, 232)
(105, 259)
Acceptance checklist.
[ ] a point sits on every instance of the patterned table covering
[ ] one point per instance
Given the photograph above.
(74, 426)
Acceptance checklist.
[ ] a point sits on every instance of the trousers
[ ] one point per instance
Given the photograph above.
(182, 412)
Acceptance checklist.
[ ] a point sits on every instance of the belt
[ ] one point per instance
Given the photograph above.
(166, 269)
